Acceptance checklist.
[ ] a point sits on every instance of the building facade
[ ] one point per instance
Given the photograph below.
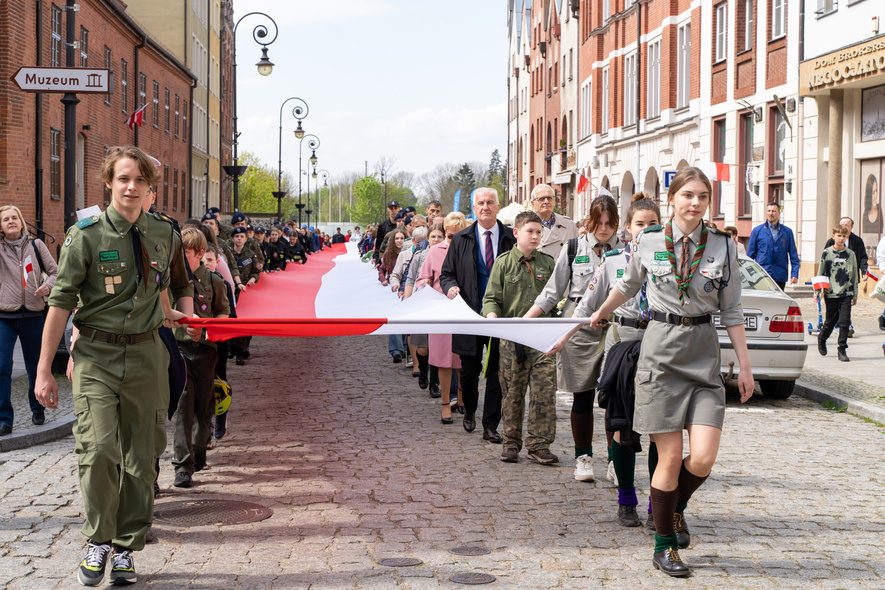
(32, 125)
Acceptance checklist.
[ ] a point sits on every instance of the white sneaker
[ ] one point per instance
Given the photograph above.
(611, 475)
(584, 468)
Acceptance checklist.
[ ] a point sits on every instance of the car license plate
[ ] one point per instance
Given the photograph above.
(749, 322)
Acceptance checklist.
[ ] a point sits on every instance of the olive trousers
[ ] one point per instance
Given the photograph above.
(121, 396)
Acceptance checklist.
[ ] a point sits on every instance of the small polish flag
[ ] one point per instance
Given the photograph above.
(723, 174)
(604, 192)
(27, 268)
(820, 283)
(872, 275)
(716, 171)
(582, 183)
(136, 118)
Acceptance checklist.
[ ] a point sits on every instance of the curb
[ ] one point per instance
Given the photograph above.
(851, 405)
(37, 436)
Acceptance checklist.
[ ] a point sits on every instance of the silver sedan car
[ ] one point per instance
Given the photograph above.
(775, 333)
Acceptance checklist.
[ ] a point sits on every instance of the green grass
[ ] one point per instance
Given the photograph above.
(833, 406)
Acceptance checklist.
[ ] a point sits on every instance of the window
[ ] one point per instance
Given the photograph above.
(184, 124)
(606, 10)
(165, 187)
(177, 104)
(747, 13)
(55, 34)
(181, 185)
(719, 43)
(156, 112)
(167, 113)
(718, 154)
(604, 122)
(142, 90)
(746, 177)
(175, 189)
(84, 47)
(586, 106)
(571, 62)
(124, 84)
(825, 7)
(778, 18)
(654, 79)
(683, 66)
(108, 66)
(630, 90)
(54, 164)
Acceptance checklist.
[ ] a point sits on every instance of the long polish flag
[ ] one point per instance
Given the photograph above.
(335, 294)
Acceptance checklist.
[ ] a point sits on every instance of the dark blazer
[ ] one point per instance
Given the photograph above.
(459, 270)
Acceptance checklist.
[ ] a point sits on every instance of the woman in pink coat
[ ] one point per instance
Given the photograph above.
(441, 354)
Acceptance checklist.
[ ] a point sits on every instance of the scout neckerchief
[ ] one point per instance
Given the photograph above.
(527, 260)
(682, 282)
(142, 260)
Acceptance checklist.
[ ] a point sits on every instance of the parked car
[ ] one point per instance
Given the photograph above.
(775, 333)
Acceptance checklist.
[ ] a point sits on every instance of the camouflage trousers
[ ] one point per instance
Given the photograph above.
(537, 373)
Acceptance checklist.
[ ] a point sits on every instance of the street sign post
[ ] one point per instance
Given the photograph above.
(668, 177)
(40, 79)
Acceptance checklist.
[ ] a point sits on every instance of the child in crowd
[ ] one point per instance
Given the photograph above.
(197, 402)
(839, 264)
(517, 278)
(212, 258)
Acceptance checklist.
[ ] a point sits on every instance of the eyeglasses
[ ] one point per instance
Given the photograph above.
(543, 199)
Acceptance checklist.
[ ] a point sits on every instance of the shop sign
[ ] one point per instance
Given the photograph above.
(842, 67)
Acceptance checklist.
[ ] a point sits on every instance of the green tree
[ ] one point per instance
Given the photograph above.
(466, 181)
(497, 177)
(370, 199)
(257, 186)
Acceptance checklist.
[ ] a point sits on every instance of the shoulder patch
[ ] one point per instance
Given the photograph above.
(160, 216)
(718, 232)
(613, 252)
(87, 221)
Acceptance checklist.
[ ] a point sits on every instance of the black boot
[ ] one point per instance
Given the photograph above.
(220, 425)
(682, 534)
(669, 562)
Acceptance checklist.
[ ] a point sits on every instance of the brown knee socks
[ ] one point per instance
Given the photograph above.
(688, 483)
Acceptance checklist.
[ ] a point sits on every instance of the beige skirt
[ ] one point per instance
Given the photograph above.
(578, 364)
(678, 380)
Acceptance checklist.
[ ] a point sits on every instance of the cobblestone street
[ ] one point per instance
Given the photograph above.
(352, 459)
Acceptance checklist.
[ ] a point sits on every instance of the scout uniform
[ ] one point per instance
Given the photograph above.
(245, 263)
(577, 364)
(273, 259)
(555, 233)
(197, 402)
(115, 272)
(677, 379)
(226, 248)
(514, 283)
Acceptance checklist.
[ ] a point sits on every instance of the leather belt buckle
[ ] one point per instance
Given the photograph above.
(686, 321)
(122, 339)
(643, 324)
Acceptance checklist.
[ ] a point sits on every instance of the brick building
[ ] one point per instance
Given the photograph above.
(32, 154)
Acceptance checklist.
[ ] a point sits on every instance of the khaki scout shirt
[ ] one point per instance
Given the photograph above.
(210, 301)
(97, 273)
(513, 286)
(716, 284)
(555, 237)
(572, 282)
(247, 264)
(611, 269)
(227, 250)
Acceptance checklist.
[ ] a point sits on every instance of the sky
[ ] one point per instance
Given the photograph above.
(422, 81)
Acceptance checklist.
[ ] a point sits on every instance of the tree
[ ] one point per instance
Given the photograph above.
(466, 181)
(257, 186)
(497, 177)
(495, 164)
(370, 199)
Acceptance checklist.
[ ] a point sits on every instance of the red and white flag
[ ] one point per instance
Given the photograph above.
(338, 295)
(820, 283)
(27, 268)
(716, 171)
(136, 118)
(871, 274)
(583, 183)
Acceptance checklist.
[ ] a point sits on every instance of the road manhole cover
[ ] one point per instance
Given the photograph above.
(472, 578)
(202, 512)
(400, 561)
(469, 550)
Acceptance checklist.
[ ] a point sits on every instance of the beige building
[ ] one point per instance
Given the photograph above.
(191, 31)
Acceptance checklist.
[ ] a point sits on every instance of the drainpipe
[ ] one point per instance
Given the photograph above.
(800, 149)
(638, 90)
(190, 153)
(38, 122)
(138, 87)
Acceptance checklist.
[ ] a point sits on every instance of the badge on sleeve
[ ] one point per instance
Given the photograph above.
(67, 241)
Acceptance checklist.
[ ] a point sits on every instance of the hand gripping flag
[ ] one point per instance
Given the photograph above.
(820, 283)
(136, 118)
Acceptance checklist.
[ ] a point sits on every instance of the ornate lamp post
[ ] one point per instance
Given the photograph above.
(299, 112)
(324, 174)
(265, 67)
(313, 142)
(308, 211)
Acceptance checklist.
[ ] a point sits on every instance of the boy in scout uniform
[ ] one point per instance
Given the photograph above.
(517, 278)
(197, 402)
(224, 245)
(245, 261)
(116, 267)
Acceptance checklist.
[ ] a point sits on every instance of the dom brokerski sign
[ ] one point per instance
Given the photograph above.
(37, 79)
(843, 66)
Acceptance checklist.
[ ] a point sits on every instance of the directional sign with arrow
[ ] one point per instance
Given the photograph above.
(38, 79)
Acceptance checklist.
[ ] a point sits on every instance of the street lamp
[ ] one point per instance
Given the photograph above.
(313, 142)
(299, 112)
(308, 211)
(265, 67)
(324, 174)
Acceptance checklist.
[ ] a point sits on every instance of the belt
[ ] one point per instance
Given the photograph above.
(631, 323)
(680, 320)
(117, 338)
(575, 299)
(189, 344)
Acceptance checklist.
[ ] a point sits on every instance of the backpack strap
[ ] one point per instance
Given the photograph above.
(572, 252)
(39, 257)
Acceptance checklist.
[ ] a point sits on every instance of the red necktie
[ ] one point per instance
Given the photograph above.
(490, 252)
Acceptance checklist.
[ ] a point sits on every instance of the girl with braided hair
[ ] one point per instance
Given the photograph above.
(692, 273)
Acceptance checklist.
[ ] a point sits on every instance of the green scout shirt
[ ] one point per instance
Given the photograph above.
(210, 301)
(514, 285)
(97, 273)
(841, 267)
(227, 250)
(247, 264)
(224, 230)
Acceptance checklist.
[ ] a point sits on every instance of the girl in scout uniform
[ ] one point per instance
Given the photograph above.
(631, 319)
(578, 363)
(692, 273)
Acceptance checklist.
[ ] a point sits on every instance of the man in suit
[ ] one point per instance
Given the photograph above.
(556, 230)
(466, 271)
